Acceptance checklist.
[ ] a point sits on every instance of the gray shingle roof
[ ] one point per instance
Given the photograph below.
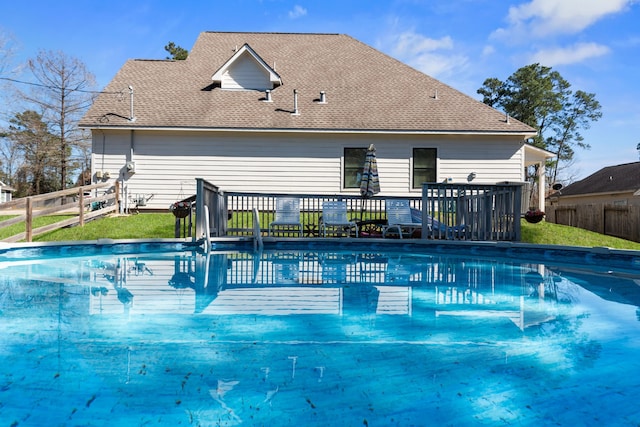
(620, 178)
(365, 90)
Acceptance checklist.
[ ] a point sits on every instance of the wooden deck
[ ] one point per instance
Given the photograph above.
(449, 212)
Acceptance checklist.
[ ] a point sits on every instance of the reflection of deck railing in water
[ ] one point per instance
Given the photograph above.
(306, 282)
(461, 211)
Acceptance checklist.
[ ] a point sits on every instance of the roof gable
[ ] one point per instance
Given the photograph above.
(246, 70)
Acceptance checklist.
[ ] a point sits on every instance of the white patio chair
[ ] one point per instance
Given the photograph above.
(287, 216)
(399, 218)
(334, 217)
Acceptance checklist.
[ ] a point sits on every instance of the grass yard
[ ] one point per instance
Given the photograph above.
(40, 221)
(161, 225)
(545, 233)
(141, 226)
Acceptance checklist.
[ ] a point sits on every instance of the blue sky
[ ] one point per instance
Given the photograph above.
(594, 44)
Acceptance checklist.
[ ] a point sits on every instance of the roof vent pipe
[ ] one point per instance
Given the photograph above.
(323, 97)
(132, 118)
(267, 96)
(435, 96)
(507, 118)
(295, 103)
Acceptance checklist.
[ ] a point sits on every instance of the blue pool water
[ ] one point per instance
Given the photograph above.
(318, 335)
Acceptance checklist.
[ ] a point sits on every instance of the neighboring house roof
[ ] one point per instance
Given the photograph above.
(612, 179)
(364, 89)
(6, 188)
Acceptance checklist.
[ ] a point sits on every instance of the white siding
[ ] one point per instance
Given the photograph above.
(168, 163)
(245, 73)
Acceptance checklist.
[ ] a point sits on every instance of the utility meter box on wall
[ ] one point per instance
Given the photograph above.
(131, 167)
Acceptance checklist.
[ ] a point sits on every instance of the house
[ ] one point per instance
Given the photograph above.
(614, 185)
(293, 113)
(6, 192)
(607, 202)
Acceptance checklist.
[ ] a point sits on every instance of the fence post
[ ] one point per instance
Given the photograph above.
(28, 221)
(81, 207)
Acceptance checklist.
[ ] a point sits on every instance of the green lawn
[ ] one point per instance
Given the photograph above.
(41, 221)
(545, 233)
(141, 226)
(161, 225)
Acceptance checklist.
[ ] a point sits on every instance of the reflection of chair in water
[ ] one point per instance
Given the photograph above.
(399, 271)
(287, 216)
(372, 267)
(286, 267)
(334, 217)
(335, 267)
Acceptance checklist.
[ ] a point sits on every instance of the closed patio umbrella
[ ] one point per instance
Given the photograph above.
(370, 183)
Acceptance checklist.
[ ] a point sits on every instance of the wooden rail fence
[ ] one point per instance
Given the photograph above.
(81, 207)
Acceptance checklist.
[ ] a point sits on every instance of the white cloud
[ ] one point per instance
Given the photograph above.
(411, 43)
(297, 12)
(541, 18)
(435, 57)
(488, 50)
(569, 55)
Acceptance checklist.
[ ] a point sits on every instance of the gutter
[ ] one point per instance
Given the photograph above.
(314, 131)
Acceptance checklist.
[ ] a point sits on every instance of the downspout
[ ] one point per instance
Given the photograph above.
(131, 145)
(125, 198)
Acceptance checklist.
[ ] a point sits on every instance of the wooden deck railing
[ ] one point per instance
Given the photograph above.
(481, 212)
(461, 211)
(65, 202)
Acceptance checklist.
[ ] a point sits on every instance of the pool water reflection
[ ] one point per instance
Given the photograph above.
(316, 337)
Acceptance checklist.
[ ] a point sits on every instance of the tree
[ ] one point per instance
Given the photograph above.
(7, 53)
(540, 97)
(177, 53)
(32, 139)
(63, 93)
(9, 158)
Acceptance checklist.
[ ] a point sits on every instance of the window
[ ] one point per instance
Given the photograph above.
(424, 166)
(353, 166)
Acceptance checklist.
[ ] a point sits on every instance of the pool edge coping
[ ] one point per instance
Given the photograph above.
(601, 250)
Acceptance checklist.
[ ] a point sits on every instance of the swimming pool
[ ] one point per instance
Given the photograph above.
(320, 333)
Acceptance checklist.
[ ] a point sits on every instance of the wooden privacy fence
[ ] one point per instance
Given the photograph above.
(76, 201)
(612, 220)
